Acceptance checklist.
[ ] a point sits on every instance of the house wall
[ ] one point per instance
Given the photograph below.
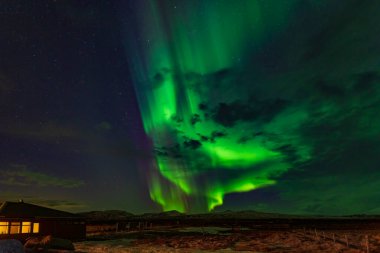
(69, 229)
(73, 229)
(12, 229)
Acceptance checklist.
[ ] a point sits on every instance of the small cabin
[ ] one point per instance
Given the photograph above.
(19, 220)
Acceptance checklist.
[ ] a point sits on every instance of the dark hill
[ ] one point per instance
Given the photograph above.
(106, 215)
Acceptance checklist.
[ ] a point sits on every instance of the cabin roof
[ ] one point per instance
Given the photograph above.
(26, 210)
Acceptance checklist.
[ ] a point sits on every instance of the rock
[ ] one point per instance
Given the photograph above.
(11, 246)
(48, 242)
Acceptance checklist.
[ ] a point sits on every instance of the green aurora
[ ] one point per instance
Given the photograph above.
(217, 83)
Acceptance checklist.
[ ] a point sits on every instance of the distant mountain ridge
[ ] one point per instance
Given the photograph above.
(228, 214)
(106, 215)
(121, 215)
(166, 214)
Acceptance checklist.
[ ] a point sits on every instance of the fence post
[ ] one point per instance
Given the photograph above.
(323, 235)
(345, 236)
(367, 243)
(334, 237)
(316, 234)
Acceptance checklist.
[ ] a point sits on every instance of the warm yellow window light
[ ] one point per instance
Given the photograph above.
(15, 228)
(4, 227)
(36, 228)
(26, 227)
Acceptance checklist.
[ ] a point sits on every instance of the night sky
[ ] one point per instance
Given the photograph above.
(194, 106)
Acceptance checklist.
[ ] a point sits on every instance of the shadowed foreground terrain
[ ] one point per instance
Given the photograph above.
(224, 240)
(210, 233)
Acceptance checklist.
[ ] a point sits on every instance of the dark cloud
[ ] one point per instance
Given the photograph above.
(177, 119)
(221, 75)
(193, 79)
(366, 81)
(203, 137)
(158, 80)
(217, 134)
(192, 144)
(244, 139)
(173, 151)
(59, 204)
(329, 90)
(290, 153)
(20, 175)
(159, 77)
(195, 119)
(203, 106)
(228, 114)
(218, 79)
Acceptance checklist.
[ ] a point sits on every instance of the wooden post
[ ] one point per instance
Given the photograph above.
(316, 234)
(367, 243)
(334, 237)
(345, 236)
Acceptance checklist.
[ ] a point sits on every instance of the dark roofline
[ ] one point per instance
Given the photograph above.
(25, 210)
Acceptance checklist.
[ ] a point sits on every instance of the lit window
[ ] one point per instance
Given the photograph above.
(26, 227)
(15, 228)
(36, 228)
(4, 227)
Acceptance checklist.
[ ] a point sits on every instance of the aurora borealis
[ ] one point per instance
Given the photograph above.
(192, 106)
(195, 132)
(218, 124)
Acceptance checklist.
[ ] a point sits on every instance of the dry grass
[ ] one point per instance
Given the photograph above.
(245, 241)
